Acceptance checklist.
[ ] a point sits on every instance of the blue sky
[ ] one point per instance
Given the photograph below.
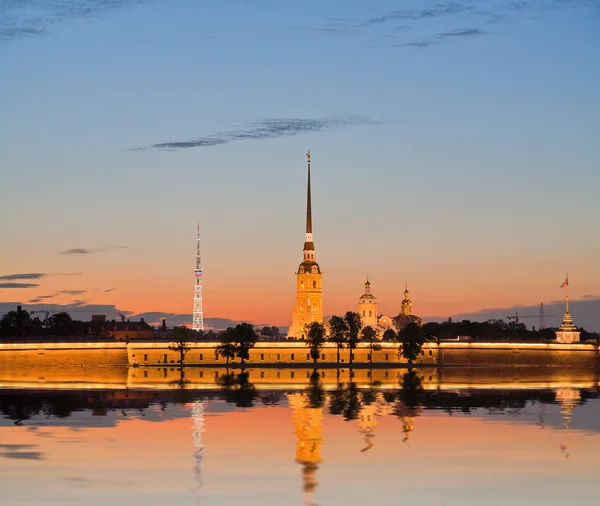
(455, 146)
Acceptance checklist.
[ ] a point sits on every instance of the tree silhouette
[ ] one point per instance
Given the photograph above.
(315, 339)
(338, 331)
(227, 349)
(60, 324)
(354, 324)
(181, 344)
(389, 335)
(245, 338)
(412, 340)
(370, 335)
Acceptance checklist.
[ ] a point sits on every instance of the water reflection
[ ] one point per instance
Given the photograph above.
(381, 409)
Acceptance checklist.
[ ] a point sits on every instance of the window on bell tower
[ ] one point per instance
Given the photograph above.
(314, 284)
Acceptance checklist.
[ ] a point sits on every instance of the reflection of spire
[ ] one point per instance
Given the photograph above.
(198, 415)
(367, 418)
(307, 424)
(567, 398)
(367, 424)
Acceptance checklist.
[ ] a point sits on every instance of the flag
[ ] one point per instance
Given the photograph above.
(565, 284)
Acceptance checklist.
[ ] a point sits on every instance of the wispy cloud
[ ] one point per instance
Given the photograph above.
(73, 292)
(263, 129)
(30, 18)
(18, 285)
(16, 277)
(431, 22)
(462, 32)
(84, 251)
(417, 43)
(110, 290)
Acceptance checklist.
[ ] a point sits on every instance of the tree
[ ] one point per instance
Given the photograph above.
(181, 343)
(60, 324)
(15, 323)
(337, 333)
(315, 339)
(227, 349)
(354, 324)
(389, 335)
(371, 336)
(245, 338)
(412, 342)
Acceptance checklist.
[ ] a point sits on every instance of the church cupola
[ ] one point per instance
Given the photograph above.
(367, 307)
(406, 307)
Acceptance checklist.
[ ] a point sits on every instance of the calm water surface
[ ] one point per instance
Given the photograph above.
(235, 441)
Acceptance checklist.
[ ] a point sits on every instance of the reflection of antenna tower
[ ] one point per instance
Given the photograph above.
(567, 398)
(307, 422)
(198, 415)
(198, 320)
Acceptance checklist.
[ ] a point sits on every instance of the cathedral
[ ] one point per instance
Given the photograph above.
(309, 291)
(368, 311)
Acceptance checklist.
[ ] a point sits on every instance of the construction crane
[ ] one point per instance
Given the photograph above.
(541, 316)
(46, 312)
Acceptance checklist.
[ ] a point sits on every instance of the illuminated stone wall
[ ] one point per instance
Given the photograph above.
(46, 355)
(519, 354)
(291, 352)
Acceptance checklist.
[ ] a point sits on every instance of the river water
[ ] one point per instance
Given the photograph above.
(234, 442)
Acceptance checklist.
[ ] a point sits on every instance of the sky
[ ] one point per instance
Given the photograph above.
(454, 148)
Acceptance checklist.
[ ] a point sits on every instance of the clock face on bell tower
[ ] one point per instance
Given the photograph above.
(309, 290)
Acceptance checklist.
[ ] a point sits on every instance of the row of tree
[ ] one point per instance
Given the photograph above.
(21, 323)
(347, 331)
(344, 331)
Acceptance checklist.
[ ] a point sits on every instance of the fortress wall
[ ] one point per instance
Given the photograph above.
(49, 355)
(288, 353)
(502, 354)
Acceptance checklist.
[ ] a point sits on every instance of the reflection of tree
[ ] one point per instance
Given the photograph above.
(237, 389)
(411, 397)
(337, 400)
(315, 392)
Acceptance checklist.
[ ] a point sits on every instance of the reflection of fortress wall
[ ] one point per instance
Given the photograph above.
(30, 376)
(154, 377)
(272, 378)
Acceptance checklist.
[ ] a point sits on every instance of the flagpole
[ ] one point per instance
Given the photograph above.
(567, 293)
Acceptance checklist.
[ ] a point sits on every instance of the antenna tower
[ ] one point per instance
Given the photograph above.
(198, 320)
(542, 317)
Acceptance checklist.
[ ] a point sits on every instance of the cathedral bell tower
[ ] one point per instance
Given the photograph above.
(367, 307)
(309, 291)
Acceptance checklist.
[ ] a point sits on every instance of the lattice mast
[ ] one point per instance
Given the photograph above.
(198, 319)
